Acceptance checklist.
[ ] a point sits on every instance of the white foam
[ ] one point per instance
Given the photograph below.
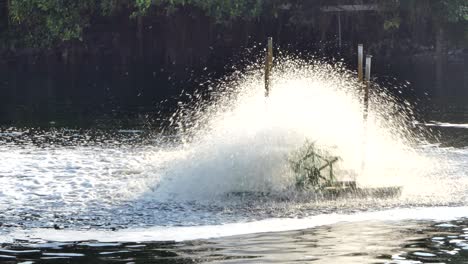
(446, 124)
(67, 255)
(164, 233)
(10, 251)
(424, 254)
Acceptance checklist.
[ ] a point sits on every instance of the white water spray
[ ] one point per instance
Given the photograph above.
(240, 141)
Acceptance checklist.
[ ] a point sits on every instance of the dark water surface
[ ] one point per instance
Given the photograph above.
(358, 242)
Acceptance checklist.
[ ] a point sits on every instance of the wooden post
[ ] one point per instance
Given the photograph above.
(366, 110)
(367, 86)
(339, 30)
(268, 65)
(360, 59)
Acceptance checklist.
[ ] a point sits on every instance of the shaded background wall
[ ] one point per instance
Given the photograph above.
(136, 67)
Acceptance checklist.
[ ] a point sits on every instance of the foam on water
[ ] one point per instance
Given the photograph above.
(239, 141)
(233, 229)
(446, 124)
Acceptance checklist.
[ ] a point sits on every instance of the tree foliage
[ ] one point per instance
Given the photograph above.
(45, 22)
(443, 11)
(221, 9)
(450, 15)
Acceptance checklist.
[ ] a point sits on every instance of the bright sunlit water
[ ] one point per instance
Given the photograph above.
(225, 172)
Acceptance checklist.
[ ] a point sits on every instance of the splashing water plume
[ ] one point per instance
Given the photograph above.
(228, 168)
(240, 141)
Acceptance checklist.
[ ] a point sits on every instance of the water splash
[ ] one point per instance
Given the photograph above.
(240, 141)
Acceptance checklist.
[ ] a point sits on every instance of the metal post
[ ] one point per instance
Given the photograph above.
(268, 65)
(360, 59)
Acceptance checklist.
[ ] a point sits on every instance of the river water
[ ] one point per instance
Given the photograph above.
(90, 197)
(219, 187)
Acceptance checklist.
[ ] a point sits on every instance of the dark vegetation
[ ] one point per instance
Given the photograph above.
(68, 60)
